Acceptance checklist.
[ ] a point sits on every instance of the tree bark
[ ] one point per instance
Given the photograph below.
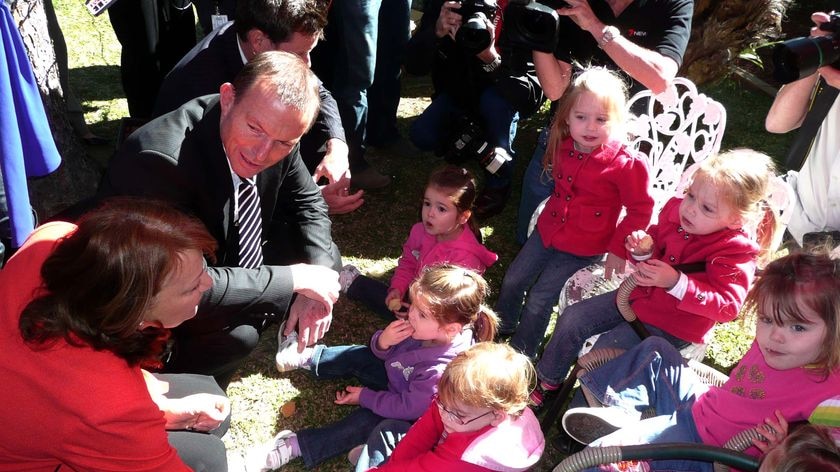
(77, 177)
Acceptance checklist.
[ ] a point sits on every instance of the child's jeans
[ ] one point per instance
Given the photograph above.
(320, 444)
(381, 443)
(651, 374)
(577, 323)
(541, 272)
(372, 293)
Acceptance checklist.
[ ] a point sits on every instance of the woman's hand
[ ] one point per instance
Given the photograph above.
(393, 334)
(655, 273)
(350, 396)
(773, 431)
(449, 20)
(200, 412)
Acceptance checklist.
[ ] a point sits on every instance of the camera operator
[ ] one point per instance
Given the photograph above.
(493, 87)
(644, 39)
(817, 186)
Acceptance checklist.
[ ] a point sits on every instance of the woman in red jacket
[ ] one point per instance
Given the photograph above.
(83, 307)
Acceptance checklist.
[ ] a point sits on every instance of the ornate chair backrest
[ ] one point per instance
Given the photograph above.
(679, 127)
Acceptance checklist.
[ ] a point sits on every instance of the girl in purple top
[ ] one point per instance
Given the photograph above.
(446, 233)
(399, 371)
(793, 365)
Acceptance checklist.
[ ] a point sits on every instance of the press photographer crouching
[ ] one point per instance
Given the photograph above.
(810, 102)
(483, 86)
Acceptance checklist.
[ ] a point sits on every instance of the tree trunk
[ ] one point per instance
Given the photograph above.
(77, 177)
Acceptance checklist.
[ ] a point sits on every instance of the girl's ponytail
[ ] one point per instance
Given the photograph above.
(485, 324)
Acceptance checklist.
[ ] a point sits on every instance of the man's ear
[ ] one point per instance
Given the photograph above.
(253, 43)
(227, 95)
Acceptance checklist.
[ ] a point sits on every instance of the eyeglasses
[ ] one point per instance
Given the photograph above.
(455, 417)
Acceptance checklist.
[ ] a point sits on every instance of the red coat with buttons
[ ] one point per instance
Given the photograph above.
(589, 192)
(714, 295)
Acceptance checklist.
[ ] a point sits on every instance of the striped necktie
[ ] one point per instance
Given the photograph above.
(250, 226)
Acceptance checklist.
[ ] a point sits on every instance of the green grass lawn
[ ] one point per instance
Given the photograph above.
(370, 238)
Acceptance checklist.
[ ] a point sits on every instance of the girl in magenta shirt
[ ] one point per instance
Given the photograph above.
(792, 366)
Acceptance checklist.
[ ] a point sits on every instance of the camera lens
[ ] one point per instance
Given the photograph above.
(801, 57)
(473, 35)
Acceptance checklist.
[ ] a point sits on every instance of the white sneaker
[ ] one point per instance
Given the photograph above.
(346, 277)
(271, 455)
(288, 358)
(585, 425)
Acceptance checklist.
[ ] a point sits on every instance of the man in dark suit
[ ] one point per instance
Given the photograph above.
(268, 25)
(196, 156)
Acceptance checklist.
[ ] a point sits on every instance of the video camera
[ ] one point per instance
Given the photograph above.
(534, 25)
(801, 57)
(473, 36)
(468, 142)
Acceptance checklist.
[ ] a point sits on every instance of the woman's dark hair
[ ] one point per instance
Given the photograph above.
(101, 278)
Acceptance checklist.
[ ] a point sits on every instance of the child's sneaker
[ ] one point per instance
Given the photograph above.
(287, 357)
(540, 394)
(585, 425)
(346, 277)
(271, 455)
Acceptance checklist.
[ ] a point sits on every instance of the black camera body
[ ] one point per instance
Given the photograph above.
(534, 25)
(468, 142)
(801, 57)
(473, 35)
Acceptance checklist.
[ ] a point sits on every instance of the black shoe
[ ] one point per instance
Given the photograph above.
(491, 202)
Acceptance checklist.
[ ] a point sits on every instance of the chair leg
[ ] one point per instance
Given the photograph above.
(560, 397)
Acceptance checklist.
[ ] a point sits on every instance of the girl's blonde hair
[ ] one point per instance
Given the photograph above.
(459, 184)
(610, 90)
(802, 279)
(456, 295)
(742, 178)
(488, 375)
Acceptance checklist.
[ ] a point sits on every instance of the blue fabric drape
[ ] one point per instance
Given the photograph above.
(27, 147)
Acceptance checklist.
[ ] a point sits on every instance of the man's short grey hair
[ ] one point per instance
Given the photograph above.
(295, 84)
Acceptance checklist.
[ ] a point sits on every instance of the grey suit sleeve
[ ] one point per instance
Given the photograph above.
(267, 289)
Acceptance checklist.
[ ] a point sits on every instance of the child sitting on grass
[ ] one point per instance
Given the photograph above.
(479, 420)
(399, 371)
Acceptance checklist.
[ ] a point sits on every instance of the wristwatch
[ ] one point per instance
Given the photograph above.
(607, 35)
(491, 66)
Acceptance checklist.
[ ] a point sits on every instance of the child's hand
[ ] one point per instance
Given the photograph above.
(773, 431)
(393, 334)
(395, 303)
(639, 244)
(613, 264)
(350, 396)
(655, 273)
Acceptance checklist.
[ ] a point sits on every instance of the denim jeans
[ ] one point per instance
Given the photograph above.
(381, 443)
(537, 185)
(372, 293)
(498, 119)
(651, 374)
(577, 323)
(346, 62)
(384, 94)
(320, 444)
(541, 272)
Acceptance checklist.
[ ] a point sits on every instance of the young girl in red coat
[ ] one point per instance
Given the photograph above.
(700, 266)
(595, 176)
(479, 420)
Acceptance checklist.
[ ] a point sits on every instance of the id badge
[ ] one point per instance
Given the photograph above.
(218, 20)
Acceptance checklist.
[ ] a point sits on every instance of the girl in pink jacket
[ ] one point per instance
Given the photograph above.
(479, 420)
(447, 233)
